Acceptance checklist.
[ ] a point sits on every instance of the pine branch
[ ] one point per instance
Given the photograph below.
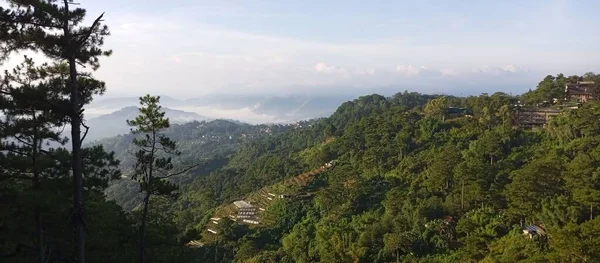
(83, 66)
(169, 151)
(63, 128)
(87, 128)
(30, 145)
(15, 151)
(32, 23)
(145, 150)
(89, 33)
(23, 142)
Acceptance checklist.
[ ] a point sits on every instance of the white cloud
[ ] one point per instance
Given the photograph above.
(246, 114)
(368, 71)
(324, 68)
(449, 72)
(498, 70)
(511, 68)
(224, 57)
(409, 70)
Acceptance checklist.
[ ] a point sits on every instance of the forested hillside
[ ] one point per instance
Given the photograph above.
(415, 185)
(406, 178)
(410, 182)
(208, 145)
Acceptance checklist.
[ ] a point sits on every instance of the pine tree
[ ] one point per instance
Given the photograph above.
(152, 165)
(56, 31)
(28, 123)
(29, 96)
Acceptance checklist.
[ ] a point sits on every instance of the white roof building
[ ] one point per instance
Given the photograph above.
(242, 204)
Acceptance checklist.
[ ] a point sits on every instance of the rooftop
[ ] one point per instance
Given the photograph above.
(581, 83)
(242, 204)
(540, 109)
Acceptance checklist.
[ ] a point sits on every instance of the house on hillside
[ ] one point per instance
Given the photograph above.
(582, 91)
(453, 112)
(245, 210)
(533, 230)
(532, 117)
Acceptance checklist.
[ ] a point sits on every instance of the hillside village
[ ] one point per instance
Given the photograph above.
(253, 210)
(539, 115)
(574, 96)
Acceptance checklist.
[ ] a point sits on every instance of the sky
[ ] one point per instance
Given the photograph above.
(189, 48)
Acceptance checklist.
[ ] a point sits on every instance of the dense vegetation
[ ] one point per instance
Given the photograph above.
(208, 145)
(409, 182)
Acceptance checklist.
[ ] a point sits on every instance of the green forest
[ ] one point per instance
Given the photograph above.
(383, 179)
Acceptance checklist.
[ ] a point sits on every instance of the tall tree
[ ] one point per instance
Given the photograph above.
(56, 31)
(437, 108)
(28, 124)
(153, 158)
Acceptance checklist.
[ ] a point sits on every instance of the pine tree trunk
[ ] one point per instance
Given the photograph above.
(142, 249)
(76, 164)
(40, 235)
(77, 168)
(36, 189)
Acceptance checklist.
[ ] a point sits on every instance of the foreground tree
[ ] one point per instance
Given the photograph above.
(35, 172)
(56, 31)
(29, 124)
(153, 161)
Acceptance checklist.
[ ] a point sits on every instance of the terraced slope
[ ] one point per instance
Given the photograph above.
(263, 199)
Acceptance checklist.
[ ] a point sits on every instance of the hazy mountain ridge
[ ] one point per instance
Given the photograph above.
(115, 123)
(254, 109)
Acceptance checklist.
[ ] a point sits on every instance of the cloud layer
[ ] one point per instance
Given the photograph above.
(191, 48)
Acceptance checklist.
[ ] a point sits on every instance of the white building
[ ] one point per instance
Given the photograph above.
(245, 210)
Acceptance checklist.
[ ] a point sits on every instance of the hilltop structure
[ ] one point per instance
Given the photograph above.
(582, 91)
(532, 117)
(453, 112)
(575, 94)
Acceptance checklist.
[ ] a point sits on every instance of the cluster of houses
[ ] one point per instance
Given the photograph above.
(246, 212)
(539, 117)
(576, 93)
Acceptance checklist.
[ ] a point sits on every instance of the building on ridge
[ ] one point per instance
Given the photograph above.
(582, 91)
(535, 117)
(453, 112)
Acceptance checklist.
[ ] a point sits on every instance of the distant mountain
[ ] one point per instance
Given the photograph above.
(115, 123)
(255, 109)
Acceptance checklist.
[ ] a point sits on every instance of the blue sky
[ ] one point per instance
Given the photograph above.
(186, 48)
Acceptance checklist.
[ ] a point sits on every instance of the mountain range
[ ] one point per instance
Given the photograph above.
(253, 109)
(115, 123)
